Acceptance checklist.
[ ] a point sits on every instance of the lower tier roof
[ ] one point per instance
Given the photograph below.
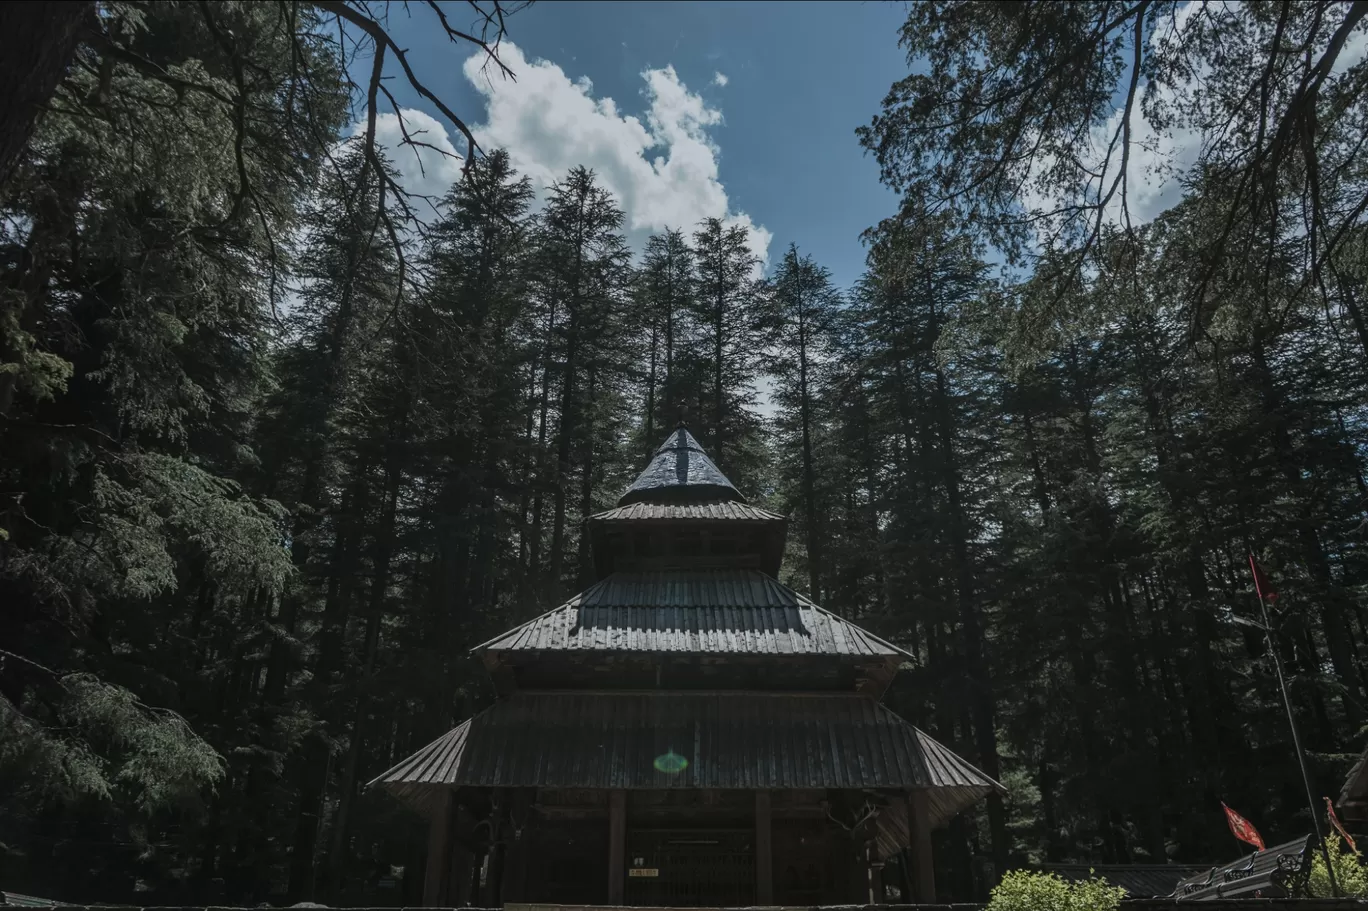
(701, 740)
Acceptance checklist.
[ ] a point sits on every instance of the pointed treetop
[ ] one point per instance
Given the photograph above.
(680, 472)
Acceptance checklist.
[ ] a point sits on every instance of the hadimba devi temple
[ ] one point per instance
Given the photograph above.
(685, 732)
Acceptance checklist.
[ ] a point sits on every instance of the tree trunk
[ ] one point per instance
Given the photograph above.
(569, 420)
(539, 457)
(971, 624)
(384, 551)
(719, 328)
(1331, 598)
(651, 390)
(569, 411)
(668, 388)
(981, 686)
(586, 570)
(38, 40)
(526, 567)
(813, 541)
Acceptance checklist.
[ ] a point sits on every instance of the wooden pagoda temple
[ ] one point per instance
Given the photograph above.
(686, 732)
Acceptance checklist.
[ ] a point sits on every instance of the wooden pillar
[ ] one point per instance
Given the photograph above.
(764, 850)
(909, 889)
(617, 846)
(515, 863)
(461, 859)
(851, 856)
(498, 847)
(438, 852)
(923, 872)
(474, 894)
(860, 879)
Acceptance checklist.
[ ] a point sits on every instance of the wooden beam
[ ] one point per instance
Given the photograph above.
(438, 855)
(764, 850)
(617, 846)
(919, 846)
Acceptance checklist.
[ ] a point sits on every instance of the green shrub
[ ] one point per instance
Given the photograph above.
(1023, 891)
(1350, 874)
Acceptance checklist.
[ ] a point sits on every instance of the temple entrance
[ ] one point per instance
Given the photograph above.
(805, 863)
(566, 862)
(704, 868)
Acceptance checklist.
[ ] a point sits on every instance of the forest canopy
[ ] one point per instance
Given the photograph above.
(275, 453)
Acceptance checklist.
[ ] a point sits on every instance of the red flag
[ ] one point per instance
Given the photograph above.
(1262, 587)
(1242, 828)
(1334, 821)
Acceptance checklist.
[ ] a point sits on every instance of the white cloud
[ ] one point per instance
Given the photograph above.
(663, 168)
(422, 170)
(1354, 51)
(720, 80)
(1157, 158)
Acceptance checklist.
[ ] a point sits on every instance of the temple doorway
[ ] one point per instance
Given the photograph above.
(698, 868)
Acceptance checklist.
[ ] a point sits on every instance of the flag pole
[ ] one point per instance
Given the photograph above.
(1292, 723)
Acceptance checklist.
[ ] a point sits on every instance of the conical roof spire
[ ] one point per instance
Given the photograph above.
(680, 472)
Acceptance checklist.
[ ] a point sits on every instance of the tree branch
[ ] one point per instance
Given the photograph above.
(382, 41)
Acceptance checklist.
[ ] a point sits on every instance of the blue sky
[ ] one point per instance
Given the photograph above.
(769, 143)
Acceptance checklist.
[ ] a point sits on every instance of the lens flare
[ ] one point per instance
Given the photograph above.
(671, 763)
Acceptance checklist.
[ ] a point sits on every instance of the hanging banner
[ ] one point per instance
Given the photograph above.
(1242, 828)
(1334, 821)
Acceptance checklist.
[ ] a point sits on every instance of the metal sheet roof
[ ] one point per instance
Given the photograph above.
(722, 509)
(680, 471)
(726, 740)
(733, 611)
(26, 901)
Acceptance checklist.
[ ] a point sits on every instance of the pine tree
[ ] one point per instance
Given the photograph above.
(582, 274)
(137, 287)
(665, 294)
(805, 313)
(727, 343)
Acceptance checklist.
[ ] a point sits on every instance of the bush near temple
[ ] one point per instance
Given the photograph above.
(1023, 891)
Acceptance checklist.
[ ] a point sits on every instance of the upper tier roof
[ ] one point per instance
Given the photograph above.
(715, 612)
(728, 510)
(680, 472)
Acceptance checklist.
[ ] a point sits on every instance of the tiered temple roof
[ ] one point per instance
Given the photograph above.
(689, 647)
